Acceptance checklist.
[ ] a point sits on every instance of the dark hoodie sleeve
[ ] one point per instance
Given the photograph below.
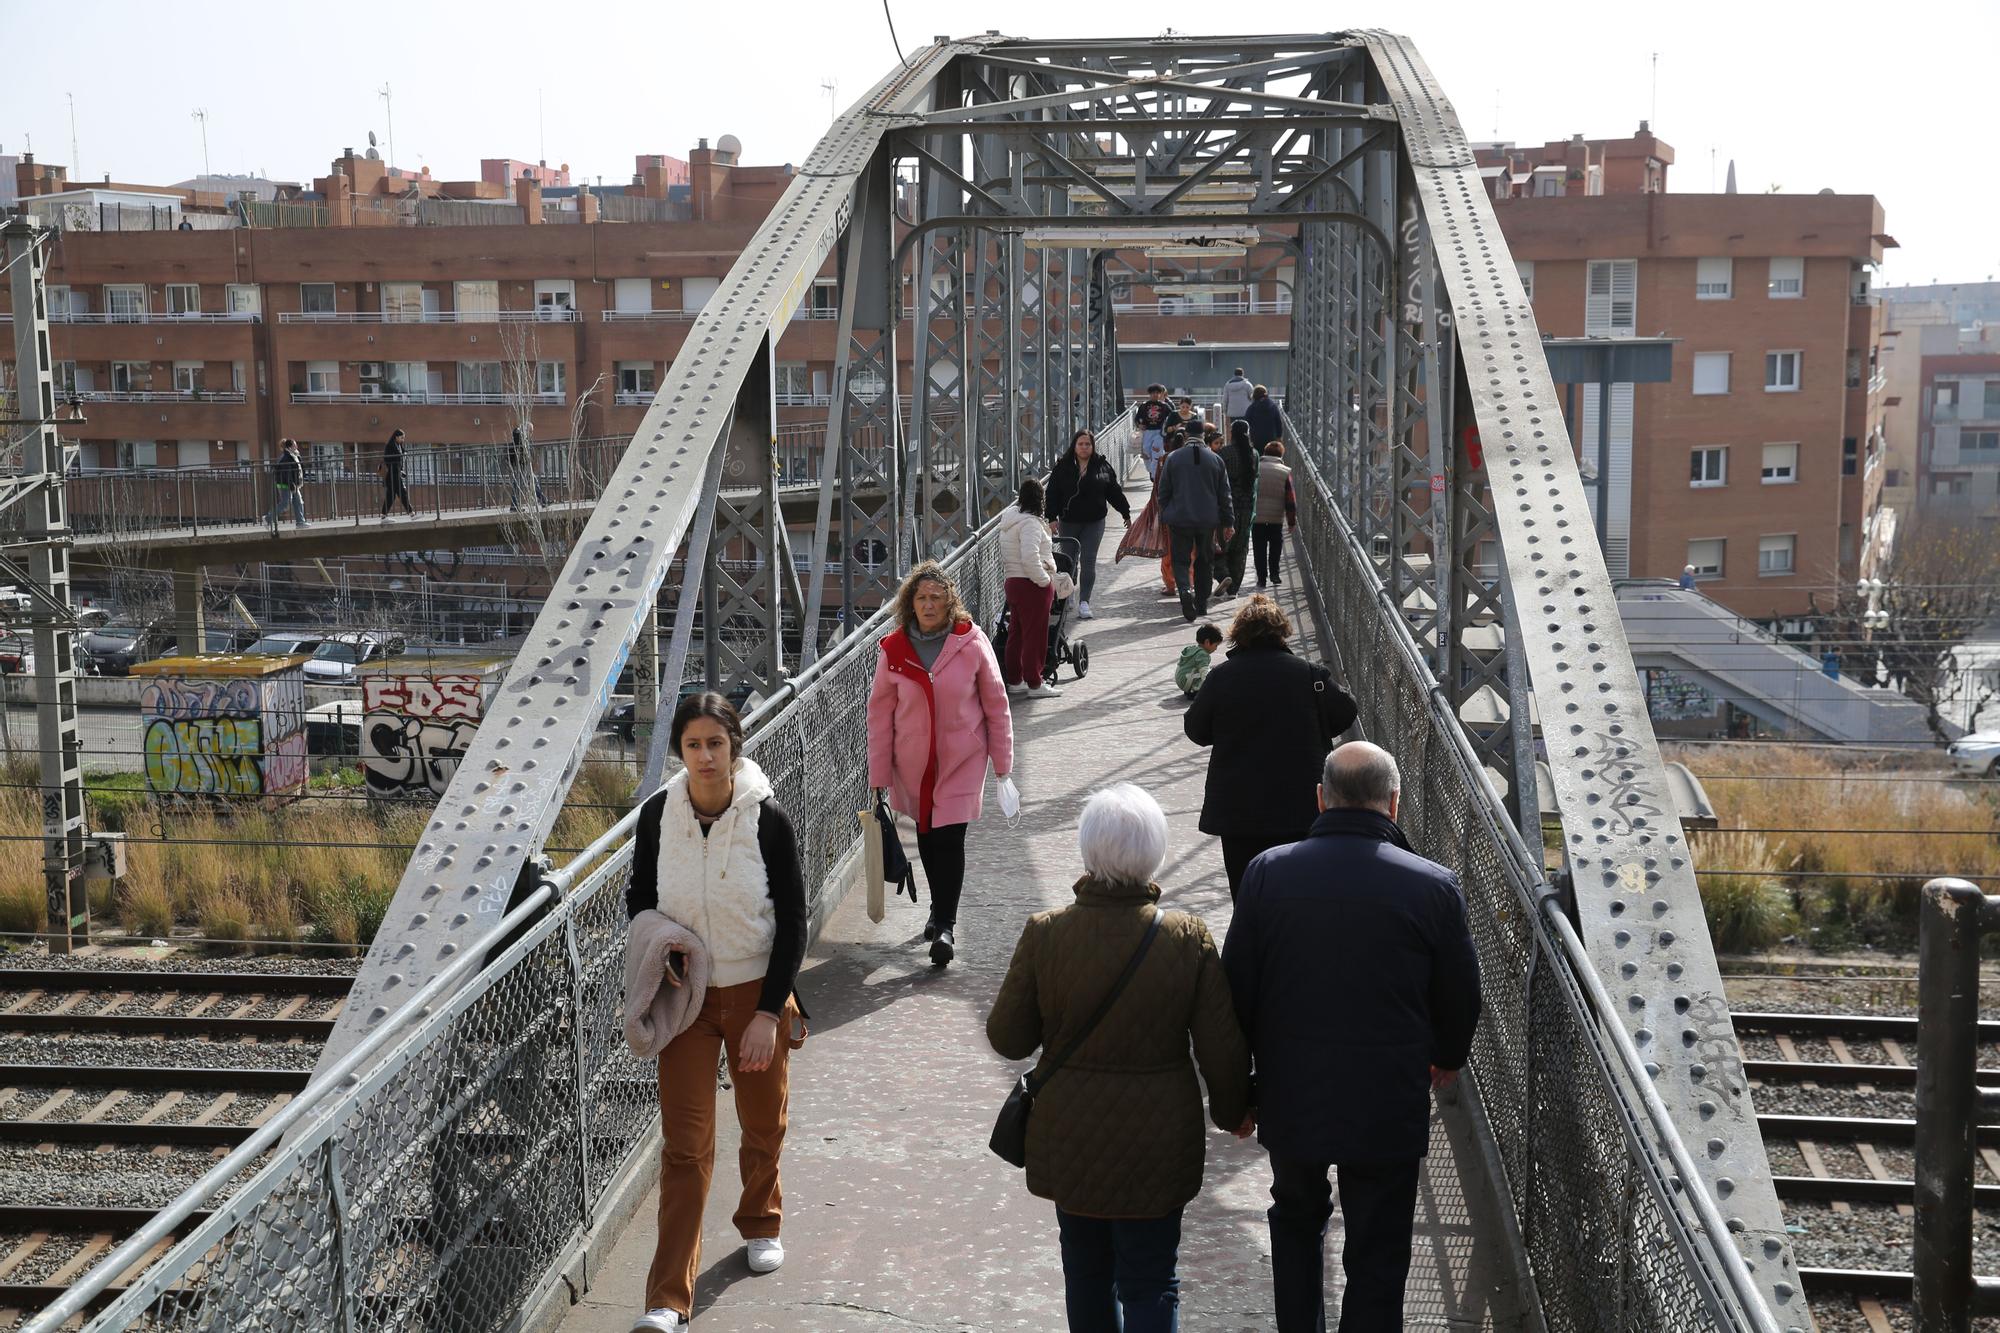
(785, 882)
(642, 890)
(1114, 493)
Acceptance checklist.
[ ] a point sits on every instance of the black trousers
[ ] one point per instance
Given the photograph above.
(1240, 849)
(1378, 1207)
(394, 490)
(942, 852)
(1190, 548)
(1267, 544)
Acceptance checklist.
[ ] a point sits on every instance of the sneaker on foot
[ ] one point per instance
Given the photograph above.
(661, 1320)
(1044, 691)
(766, 1253)
(942, 951)
(1017, 689)
(1083, 611)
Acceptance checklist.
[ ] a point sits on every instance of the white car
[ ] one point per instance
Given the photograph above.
(340, 657)
(1976, 754)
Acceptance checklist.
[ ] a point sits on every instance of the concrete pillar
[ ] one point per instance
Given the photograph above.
(188, 624)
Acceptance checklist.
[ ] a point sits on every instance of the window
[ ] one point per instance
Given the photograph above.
(1850, 456)
(1526, 268)
(476, 302)
(66, 301)
(550, 377)
(1781, 464)
(1854, 370)
(130, 376)
(138, 453)
(1992, 401)
(402, 302)
(316, 298)
(554, 296)
(1774, 554)
(183, 298)
(1788, 278)
(1709, 466)
(322, 377)
(1705, 554)
(480, 377)
(243, 298)
(825, 299)
(65, 378)
(236, 376)
(632, 296)
(1712, 279)
(1978, 442)
(1711, 372)
(1948, 486)
(1611, 301)
(125, 304)
(187, 376)
(1781, 372)
(405, 377)
(794, 382)
(635, 377)
(695, 292)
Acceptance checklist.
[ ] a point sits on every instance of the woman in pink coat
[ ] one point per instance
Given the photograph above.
(937, 714)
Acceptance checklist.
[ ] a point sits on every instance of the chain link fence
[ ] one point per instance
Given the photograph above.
(1597, 1177)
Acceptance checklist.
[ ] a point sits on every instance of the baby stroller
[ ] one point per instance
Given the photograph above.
(1062, 649)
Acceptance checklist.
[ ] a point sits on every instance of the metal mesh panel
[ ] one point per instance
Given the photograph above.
(1608, 1237)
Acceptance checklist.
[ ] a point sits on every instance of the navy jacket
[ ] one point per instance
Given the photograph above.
(1267, 423)
(1353, 973)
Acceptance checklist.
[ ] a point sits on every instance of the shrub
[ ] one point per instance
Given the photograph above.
(1749, 910)
(146, 908)
(224, 918)
(24, 908)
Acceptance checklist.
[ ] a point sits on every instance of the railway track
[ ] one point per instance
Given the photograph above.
(119, 1088)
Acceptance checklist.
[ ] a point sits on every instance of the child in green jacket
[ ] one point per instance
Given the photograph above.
(1192, 668)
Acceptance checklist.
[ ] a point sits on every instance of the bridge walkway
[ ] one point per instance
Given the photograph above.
(897, 1215)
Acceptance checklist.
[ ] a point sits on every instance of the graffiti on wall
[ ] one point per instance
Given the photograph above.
(239, 736)
(415, 729)
(1673, 697)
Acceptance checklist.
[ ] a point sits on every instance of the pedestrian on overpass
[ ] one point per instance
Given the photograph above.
(392, 475)
(288, 474)
(1239, 461)
(1195, 506)
(1356, 980)
(1152, 417)
(1266, 418)
(1116, 991)
(1277, 507)
(937, 717)
(1083, 490)
(714, 853)
(1236, 395)
(1269, 717)
(1028, 568)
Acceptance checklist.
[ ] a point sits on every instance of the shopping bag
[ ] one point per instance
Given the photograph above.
(1145, 538)
(886, 863)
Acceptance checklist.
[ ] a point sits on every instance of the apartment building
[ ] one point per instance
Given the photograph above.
(1761, 462)
(1943, 419)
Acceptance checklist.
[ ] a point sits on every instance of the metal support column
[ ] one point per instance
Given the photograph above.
(1948, 1101)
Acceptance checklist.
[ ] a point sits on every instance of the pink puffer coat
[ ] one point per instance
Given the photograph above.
(931, 733)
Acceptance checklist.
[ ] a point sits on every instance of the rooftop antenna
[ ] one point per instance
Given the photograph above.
(200, 113)
(1653, 107)
(541, 129)
(1496, 113)
(389, 104)
(828, 86)
(75, 158)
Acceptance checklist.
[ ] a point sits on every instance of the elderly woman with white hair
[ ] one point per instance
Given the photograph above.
(1116, 1138)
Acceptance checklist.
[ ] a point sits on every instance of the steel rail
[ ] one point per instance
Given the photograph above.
(179, 1025)
(116, 979)
(1852, 1025)
(227, 1079)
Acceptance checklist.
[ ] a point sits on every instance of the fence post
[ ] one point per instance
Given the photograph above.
(586, 1212)
(343, 1258)
(1947, 1102)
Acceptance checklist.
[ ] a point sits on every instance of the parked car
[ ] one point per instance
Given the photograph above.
(112, 649)
(287, 643)
(93, 617)
(340, 657)
(1976, 754)
(334, 729)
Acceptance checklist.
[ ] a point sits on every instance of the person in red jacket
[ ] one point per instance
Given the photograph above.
(937, 716)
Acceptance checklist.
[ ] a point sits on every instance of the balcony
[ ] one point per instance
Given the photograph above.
(633, 398)
(149, 317)
(1222, 306)
(650, 316)
(311, 398)
(785, 399)
(160, 396)
(537, 316)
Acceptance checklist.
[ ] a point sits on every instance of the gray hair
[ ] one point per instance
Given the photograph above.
(1122, 835)
(1359, 774)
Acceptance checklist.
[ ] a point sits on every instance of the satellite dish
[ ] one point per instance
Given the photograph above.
(729, 146)
(371, 138)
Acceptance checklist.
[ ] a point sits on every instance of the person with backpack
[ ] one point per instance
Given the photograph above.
(288, 474)
(1083, 489)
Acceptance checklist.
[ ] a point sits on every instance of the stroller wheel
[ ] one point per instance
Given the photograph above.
(1079, 659)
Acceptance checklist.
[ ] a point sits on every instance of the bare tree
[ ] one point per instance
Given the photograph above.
(1939, 587)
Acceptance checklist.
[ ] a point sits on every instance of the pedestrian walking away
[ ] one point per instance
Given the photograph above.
(1169, 588)
(1195, 505)
(1151, 417)
(288, 475)
(1115, 1139)
(521, 479)
(1236, 394)
(1239, 463)
(1275, 498)
(714, 854)
(1268, 718)
(937, 717)
(1349, 922)
(1028, 566)
(392, 475)
(1083, 489)
(1266, 418)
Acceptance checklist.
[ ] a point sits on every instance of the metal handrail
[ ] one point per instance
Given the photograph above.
(160, 395)
(553, 315)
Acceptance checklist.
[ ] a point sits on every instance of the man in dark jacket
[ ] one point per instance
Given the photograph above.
(1267, 421)
(1194, 505)
(1355, 977)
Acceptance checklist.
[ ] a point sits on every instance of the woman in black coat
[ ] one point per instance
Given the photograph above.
(1083, 488)
(1270, 718)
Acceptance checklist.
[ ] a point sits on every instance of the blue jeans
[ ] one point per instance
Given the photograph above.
(292, 498)
(1152, 448)
(1120, 1264)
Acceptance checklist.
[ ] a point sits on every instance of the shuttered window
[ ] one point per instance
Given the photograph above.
(1611, 302)
(1712, 279)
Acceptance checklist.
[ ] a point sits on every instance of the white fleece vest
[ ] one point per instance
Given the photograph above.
(716, 886)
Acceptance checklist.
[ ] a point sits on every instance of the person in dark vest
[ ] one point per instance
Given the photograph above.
(1277, 508)
(1356, 980)
(288, 475)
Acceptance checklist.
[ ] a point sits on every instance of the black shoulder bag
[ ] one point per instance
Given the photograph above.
(1010, 1128)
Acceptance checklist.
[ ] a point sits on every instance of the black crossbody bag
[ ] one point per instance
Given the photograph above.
(1010, 1128)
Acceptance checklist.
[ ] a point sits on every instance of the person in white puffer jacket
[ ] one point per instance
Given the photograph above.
(1028, 563)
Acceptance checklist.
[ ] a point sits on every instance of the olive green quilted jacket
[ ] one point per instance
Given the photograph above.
(1117, 1131)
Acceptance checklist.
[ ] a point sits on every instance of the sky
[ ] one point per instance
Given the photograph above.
(1888, 99)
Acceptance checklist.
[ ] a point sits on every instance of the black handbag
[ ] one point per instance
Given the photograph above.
(1010, 1127)
(895, 864)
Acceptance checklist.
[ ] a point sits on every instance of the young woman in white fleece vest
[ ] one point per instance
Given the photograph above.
(716, 854)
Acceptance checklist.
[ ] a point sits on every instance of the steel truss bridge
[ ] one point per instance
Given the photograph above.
(476, 1108)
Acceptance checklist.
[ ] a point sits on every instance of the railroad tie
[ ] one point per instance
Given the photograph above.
(1810, 1151)
(1873, 1161)
(1846, 1057)
(23, 1002)
(85, 1256)
(20, 1253)
(1877, 1317)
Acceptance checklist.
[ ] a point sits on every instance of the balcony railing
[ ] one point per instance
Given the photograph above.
(650, 316)
(160, 395)
(425, 398)
(1215, 306)
(148, 317)
(804, 399)
(536, 316)
(633, 397)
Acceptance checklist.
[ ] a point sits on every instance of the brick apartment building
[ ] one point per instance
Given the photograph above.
(1943, 421)
(1760, 463)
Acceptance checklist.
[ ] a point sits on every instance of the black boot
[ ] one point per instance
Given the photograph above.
(1187, 606)
(931, 927)
(942, 951)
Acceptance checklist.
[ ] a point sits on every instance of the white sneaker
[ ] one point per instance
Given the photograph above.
(1083, 612)
(1017, 690)
(1044, 691)
(661, 1320)
(766, 1253)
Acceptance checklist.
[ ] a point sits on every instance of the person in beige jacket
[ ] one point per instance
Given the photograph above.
(1028, 564)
